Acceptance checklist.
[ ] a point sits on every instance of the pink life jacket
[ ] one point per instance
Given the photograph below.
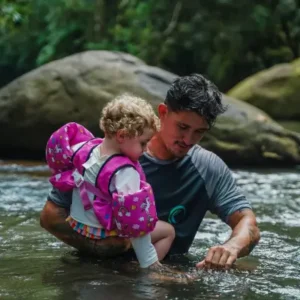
(131, 215)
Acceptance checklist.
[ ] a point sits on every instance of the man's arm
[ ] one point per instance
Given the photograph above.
(230, 204)
(245, 232)
(245, 236)
(53, 219)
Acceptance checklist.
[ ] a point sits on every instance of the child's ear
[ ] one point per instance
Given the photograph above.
(120, 136)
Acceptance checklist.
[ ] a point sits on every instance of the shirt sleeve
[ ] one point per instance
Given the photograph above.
(127, 181)
(225, 196)
(62, 199)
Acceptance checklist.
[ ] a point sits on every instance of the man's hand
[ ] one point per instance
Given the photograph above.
(245, 236)
(219, 257)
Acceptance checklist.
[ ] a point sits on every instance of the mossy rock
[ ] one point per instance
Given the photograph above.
(275, 90)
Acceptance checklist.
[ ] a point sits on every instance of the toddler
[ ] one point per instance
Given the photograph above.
(110, 194)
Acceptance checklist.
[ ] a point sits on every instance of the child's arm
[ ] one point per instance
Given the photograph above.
(144, 250)
(127, 181)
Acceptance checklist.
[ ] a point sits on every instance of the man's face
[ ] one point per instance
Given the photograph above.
(180, 131)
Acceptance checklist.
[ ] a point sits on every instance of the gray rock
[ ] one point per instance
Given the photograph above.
(76, 88)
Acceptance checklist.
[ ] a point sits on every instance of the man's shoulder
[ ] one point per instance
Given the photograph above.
(206, 161)
(198, 153)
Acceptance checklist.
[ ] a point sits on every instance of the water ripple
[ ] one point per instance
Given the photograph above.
(40, 265)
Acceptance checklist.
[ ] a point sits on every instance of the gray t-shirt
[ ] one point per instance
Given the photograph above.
(185, 189)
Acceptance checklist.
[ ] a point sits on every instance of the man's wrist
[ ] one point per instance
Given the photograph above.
(242, 248)
(233, 246)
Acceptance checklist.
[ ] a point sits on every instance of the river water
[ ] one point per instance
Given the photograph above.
(34, 265)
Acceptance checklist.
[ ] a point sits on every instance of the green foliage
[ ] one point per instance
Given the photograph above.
(226, 40)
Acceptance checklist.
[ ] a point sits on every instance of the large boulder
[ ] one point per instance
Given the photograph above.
(76, 88)
(275, 90)
(245, 135)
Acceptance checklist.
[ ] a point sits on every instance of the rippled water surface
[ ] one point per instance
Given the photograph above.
(34, 265)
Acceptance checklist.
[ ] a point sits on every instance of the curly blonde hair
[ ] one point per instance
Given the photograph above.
(129, 113)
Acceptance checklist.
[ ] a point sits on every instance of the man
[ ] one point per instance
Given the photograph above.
(187, 181)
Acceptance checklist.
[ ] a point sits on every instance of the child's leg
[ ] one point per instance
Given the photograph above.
(162, 238)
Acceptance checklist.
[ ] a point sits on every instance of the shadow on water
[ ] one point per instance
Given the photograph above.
(34, 265)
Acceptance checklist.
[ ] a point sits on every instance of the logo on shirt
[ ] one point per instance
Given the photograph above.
(176, 214)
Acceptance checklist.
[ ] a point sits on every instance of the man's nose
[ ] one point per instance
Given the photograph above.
(188, 138)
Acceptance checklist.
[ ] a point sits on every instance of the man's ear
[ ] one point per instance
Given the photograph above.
(162, 110)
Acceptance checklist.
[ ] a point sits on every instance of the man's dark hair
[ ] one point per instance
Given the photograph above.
(197, 94)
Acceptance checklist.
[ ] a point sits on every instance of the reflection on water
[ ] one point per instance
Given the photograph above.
(34, 265)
